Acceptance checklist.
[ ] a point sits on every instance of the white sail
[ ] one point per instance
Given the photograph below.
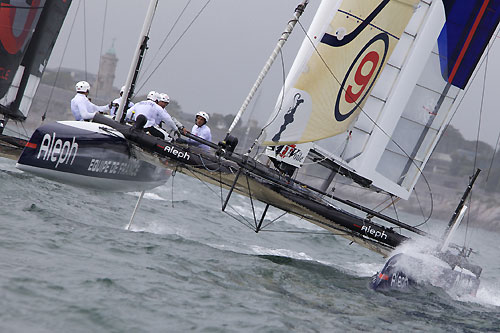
(405, 112)
(402, 117)
(28, 93)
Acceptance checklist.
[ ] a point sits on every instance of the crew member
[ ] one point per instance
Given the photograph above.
(116, 103)
(152, 114)
(163, 101)
(201, 129)
(81, 106)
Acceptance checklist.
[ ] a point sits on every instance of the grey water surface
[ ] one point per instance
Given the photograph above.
(68, 264)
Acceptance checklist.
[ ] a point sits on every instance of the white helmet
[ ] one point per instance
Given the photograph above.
(203, 115)
(163, 98)
(152, 95)
(82, 86)
(122, 90)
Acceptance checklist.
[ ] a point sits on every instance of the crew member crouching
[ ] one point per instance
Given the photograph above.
(152, 115)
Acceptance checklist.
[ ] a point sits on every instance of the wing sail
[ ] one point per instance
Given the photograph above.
(27, 37)
(339, 62)
(403, 115)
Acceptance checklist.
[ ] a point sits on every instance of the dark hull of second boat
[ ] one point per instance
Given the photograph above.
(88, 155)
(403, 271)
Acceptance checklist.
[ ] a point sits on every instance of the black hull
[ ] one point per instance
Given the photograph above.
(267, 185)
(402, 271)
(250, 178)
(88, 155)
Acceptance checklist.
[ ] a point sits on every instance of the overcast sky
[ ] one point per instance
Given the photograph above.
(214, 65)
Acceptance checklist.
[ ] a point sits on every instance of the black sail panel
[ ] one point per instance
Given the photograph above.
(35, 54)
(17, 23)
(45, 36)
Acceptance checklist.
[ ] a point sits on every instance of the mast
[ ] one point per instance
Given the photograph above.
(457, 216)
(284, 37)
(137, 60)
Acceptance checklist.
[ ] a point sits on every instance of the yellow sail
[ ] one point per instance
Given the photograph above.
(328, 84)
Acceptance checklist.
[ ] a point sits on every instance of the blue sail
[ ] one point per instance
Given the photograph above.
(469, 27)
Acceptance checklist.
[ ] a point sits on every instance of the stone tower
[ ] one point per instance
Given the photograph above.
(106, 76)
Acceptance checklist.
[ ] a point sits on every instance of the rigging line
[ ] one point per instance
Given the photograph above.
(395, 211)
(172, 193)
(486, 59)
(480, 112)
(85, 40)
(283, 71)
(168, 35)
(371, 119)
(468, 219)
(390, 197)
(220, 182)
(251, 200)
(381, 203)
(268, 224)
(60, 63)
(256, 141)
(421, 209)
(477, 141)
(173, 46)
(102, 43)
(309, 232)
(245, 223)
(18, 132)
(492, 158)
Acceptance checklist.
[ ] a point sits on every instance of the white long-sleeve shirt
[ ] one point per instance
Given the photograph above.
(83, 109)
(203, 132)
(115, 105)
(154, 114)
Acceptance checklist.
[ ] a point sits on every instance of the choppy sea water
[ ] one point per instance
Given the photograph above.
(68, 264)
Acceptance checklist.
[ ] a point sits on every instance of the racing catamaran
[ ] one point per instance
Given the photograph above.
(79, 153)
(371, 90)
(380, 80)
